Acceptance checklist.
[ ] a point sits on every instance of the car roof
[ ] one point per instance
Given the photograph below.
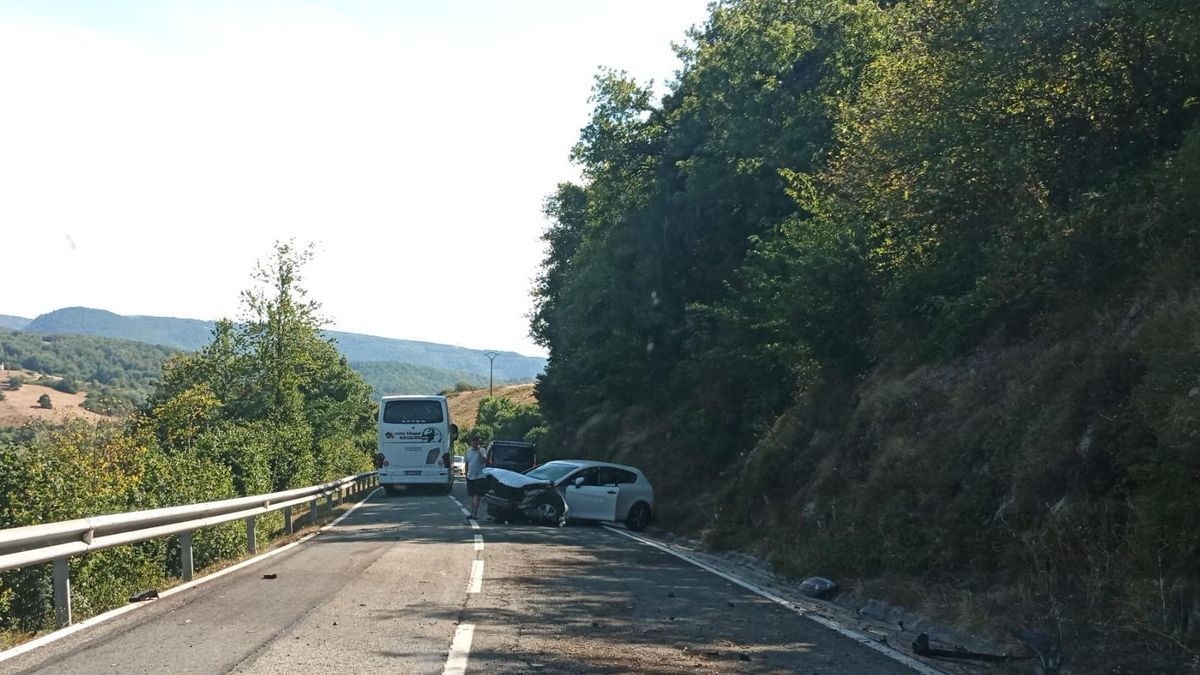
(586, 463)
(523, 444)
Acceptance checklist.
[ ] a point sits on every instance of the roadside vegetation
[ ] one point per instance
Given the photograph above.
(269, 404)
(905, 293)
(510, 416)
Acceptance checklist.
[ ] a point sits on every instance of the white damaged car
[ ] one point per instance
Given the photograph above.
(572, 488)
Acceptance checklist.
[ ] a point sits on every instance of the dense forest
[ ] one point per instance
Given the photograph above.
(268, 404)
(904, 293)
(123, 369)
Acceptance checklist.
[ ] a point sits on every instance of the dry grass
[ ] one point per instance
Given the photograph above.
(19, 407)
(464, 405)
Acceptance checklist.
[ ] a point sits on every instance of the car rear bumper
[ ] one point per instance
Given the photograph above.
(425, 478)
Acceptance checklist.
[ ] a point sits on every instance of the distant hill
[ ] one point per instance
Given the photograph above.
(387, 377)
(184, 334)
(191, 334)
(8, 322)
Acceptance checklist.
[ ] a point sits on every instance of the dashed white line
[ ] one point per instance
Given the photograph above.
(907, 660)
(476, 583)
(479, 542)
(460, 649)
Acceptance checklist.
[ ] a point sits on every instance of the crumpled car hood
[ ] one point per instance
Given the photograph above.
(515, 480)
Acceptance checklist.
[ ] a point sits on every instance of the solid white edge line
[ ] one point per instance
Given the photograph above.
(479, 542)
(460, 650)
(475, 585)
(919, 666)
(26, 647)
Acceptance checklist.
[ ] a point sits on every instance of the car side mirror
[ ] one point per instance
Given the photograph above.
(453, 432)
(579, 482)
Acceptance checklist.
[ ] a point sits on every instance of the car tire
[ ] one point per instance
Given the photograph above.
(638, 517)
(390, 491)
(448, 489)
(547, 511)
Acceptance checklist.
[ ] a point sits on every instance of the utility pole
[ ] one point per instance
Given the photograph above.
(491, 356)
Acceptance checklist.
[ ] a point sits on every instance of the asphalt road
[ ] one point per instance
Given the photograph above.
(404, 584)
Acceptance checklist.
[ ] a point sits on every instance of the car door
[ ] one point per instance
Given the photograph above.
(590, 500)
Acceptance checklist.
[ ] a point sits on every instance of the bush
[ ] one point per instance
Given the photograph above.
(44, 401)
(66, 385)
(16, 382)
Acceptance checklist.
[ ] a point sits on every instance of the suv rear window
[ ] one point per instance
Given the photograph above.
(511, 453)
(412, 412)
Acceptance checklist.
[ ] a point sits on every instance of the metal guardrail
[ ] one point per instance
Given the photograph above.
(23, 546)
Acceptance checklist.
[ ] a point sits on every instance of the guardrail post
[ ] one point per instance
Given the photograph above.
(287, 520)
(312, 510)
(62, 592)
(251, 542)
(185, 556)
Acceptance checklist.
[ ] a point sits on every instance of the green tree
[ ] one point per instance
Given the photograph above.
(44, 401)
(273, 386)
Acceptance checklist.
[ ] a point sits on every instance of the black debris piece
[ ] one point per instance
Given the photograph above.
(150, 594)
(921, 648)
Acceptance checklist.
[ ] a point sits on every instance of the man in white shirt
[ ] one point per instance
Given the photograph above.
(476, 482)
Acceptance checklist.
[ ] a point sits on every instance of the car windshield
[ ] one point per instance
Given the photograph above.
(552, 471)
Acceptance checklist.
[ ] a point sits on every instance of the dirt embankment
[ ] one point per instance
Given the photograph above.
(21, 405)
(464, 405)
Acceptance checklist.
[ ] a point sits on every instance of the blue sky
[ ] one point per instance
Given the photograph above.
(155, 150)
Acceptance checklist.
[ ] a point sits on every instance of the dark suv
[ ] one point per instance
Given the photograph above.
(512, 455)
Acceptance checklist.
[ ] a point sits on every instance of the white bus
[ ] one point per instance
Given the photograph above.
(415, 437)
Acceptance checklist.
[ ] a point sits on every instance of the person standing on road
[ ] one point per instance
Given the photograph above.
(476, 483)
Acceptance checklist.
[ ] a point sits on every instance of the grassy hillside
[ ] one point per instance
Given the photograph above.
(464, 405)
(20, 406)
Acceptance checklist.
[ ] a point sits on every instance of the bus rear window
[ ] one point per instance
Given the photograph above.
(412, 412)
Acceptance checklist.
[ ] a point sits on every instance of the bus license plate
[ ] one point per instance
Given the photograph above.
(412, 473)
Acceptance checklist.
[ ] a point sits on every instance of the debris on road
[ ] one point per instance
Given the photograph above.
(818, 587)
(151, 594)
(270, 575)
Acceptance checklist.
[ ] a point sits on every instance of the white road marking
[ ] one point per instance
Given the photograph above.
(479, 542)
(920, 667)
(460, 506)
(476, 583)
(114, 613)
(460, 649)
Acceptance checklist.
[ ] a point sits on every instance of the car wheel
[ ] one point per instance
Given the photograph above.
(639, 517)
(548, 512)
(390, 491)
